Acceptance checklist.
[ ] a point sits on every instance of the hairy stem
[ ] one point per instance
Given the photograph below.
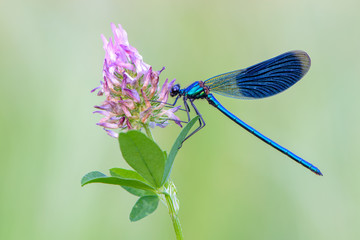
(148, 131)
(174, 217)
(169, 200)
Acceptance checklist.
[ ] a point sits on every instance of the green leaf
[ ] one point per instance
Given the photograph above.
(98, 177)
(138, 192)
(130, 174)
(143, 207)
(175, 148)
(143, 155)
(126, 173)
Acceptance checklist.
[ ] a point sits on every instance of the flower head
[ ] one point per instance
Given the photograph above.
(131, 88)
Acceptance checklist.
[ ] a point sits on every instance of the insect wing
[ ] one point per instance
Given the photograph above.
(264, 79)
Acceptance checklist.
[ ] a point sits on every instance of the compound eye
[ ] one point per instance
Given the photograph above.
(175, 90)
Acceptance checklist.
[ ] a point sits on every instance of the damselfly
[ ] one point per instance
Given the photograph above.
(264, 79)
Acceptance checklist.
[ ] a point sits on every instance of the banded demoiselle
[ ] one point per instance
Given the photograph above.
(262, 80)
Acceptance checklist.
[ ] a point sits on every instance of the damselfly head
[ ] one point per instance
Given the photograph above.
(175, 90)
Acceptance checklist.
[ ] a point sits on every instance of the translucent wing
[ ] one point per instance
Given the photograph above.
(264, 79)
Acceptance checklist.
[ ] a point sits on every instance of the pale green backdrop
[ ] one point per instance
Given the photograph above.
(231, 185)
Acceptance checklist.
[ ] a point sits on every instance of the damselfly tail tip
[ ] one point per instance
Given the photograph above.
(317, 172)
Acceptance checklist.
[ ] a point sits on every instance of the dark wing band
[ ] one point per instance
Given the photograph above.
(264, 79)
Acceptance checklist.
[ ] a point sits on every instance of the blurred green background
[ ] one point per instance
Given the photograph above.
(230, 184)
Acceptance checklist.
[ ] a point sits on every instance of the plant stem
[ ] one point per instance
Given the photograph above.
(174, 217)
(169, 200)
(148, 131)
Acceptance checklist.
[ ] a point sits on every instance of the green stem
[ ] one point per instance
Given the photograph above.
(148, 131)
(169, 200)
(174, 218)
